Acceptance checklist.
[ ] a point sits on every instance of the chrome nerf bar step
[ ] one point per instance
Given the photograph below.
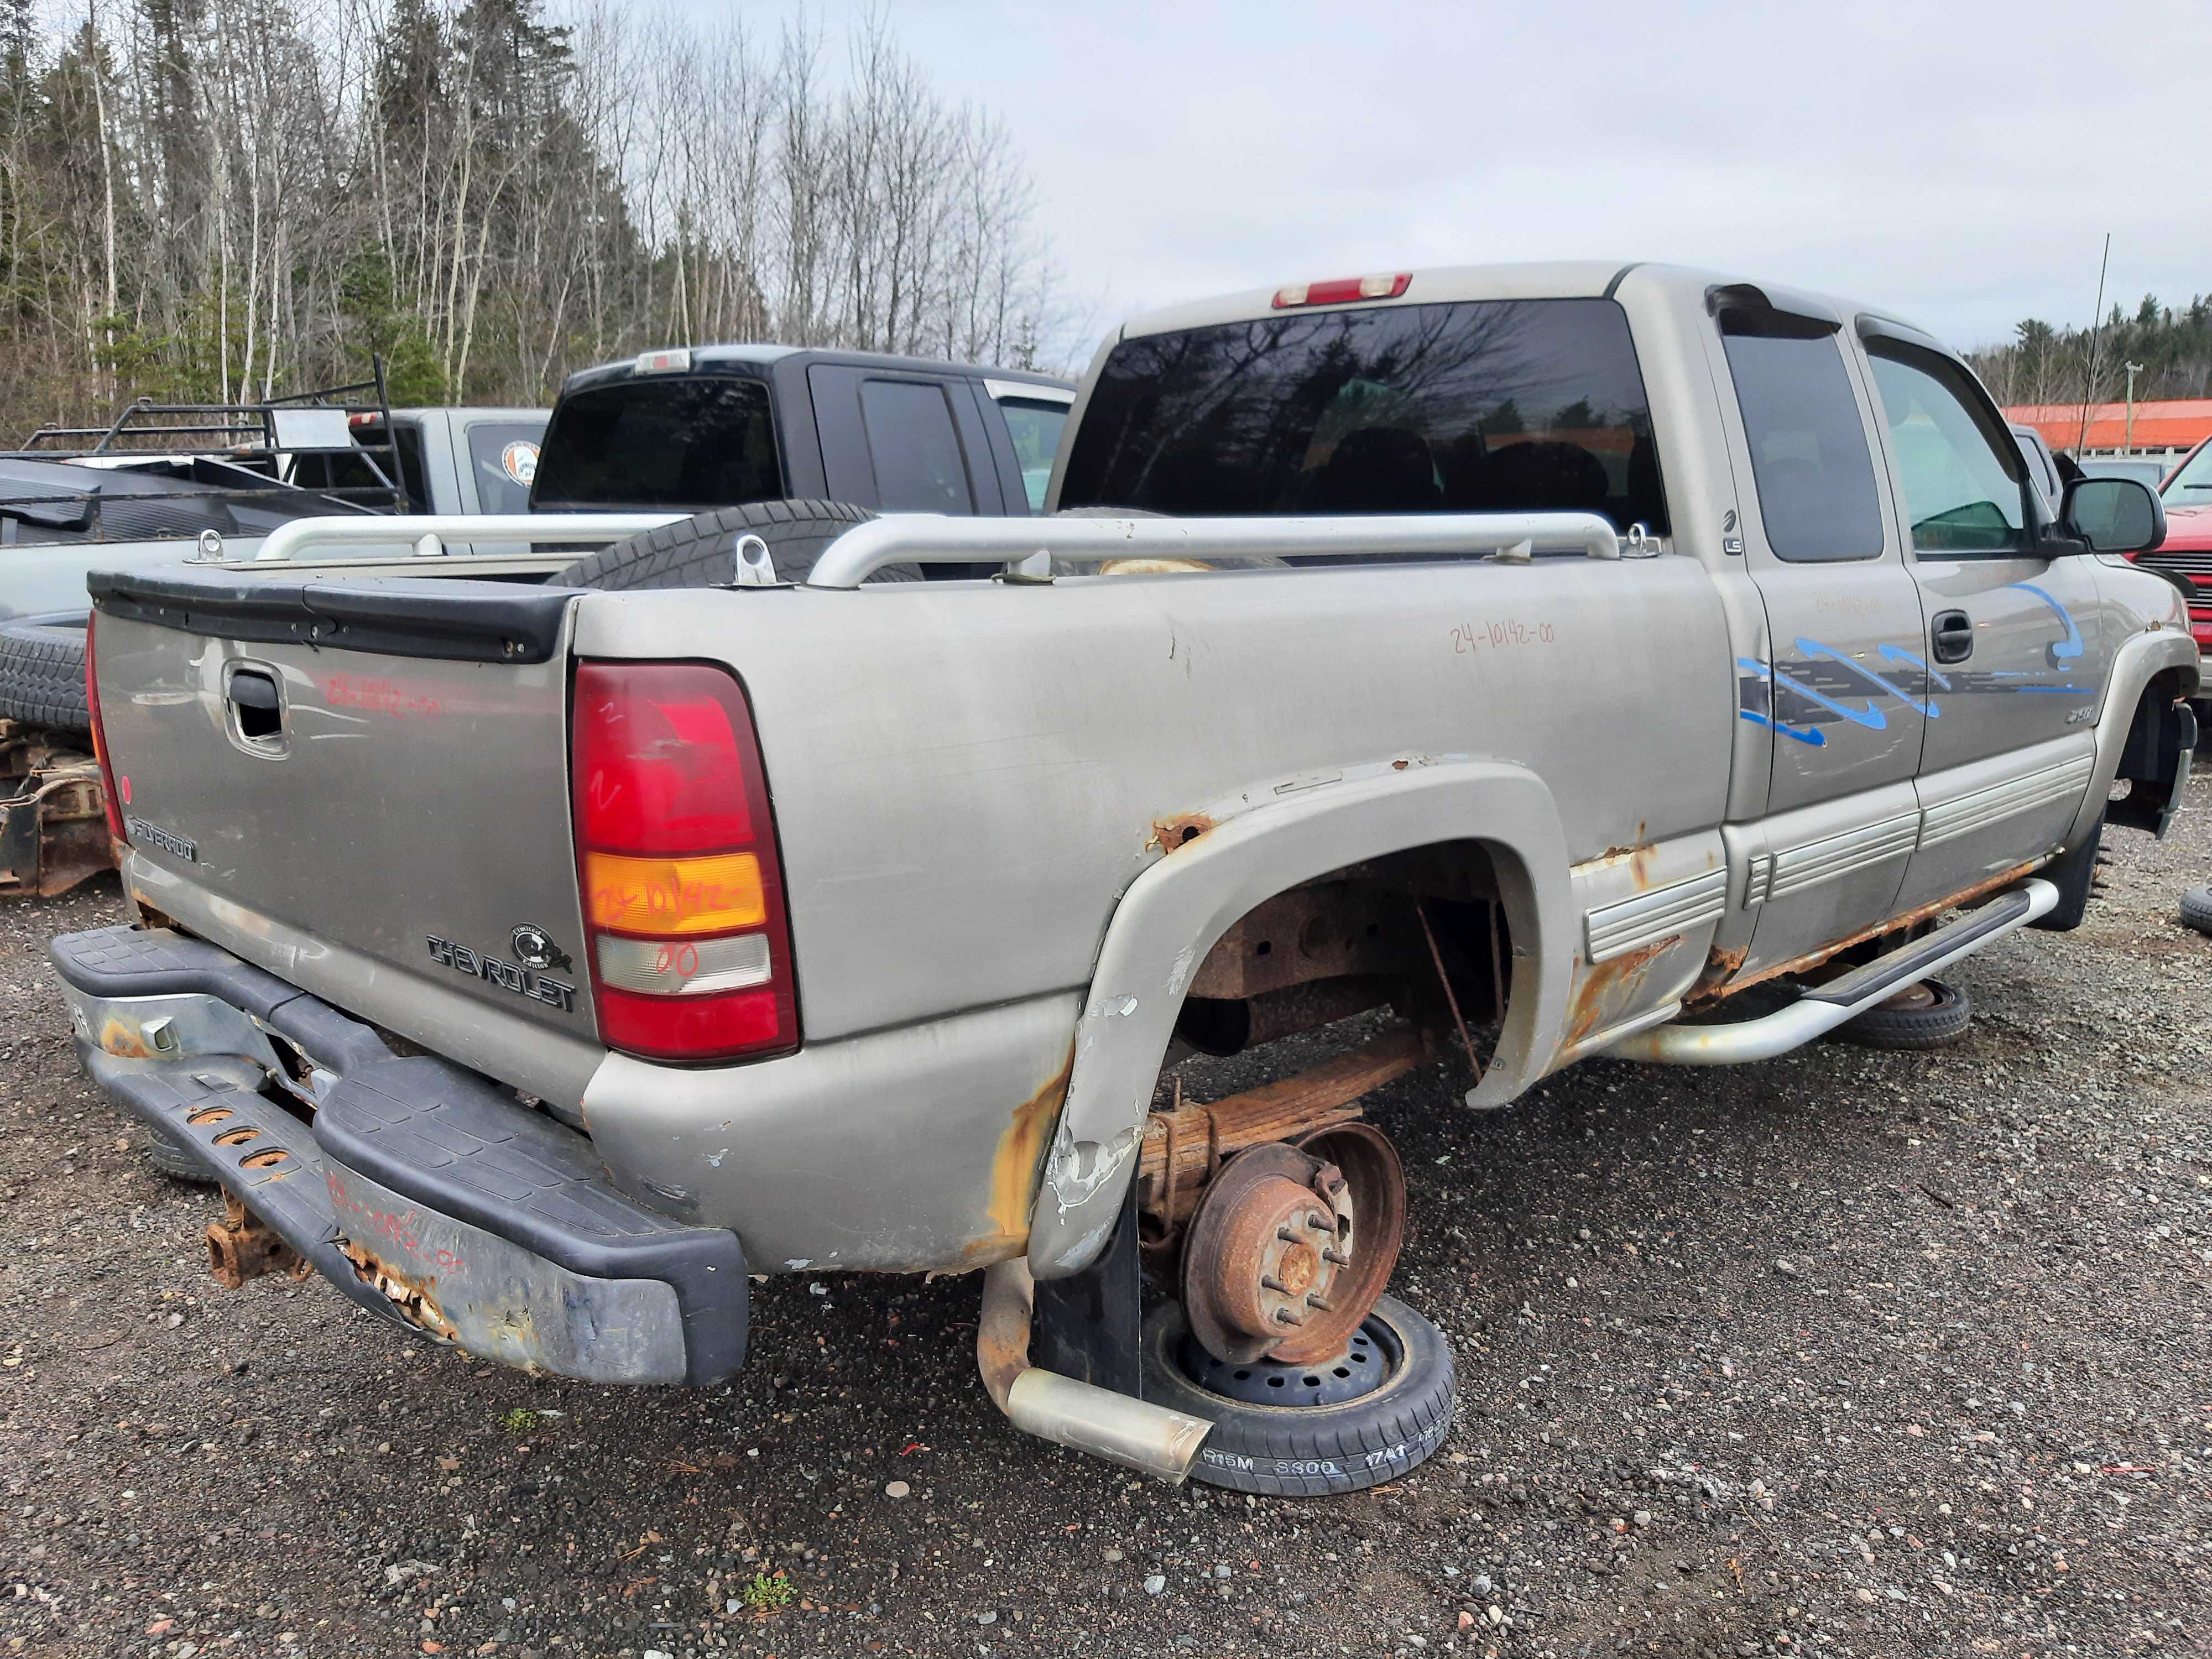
(1824, 1007)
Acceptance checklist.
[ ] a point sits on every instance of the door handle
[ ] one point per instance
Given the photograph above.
(1953, 635)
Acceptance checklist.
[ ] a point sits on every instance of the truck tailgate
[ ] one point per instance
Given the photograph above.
(381, 765)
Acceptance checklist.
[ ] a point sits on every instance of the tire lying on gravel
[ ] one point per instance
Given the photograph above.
(2196, 908)
(42, 671)
(1940, 1023)
(172, 1160)
(702, 551)
(1313, 1451)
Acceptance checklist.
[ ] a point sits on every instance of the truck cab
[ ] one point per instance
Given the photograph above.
(694, 428)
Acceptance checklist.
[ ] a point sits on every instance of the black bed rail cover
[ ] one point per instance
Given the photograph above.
(410, 616)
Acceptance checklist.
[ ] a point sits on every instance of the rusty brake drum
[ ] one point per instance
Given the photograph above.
(1289, 1249)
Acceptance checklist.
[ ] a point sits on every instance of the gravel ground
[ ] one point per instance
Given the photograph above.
(1854, 1353)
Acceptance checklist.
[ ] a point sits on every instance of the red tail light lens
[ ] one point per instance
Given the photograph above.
(113, 801)
(689, 946)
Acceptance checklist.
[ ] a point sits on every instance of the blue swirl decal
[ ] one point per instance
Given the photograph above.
(1868, 713)
(1812, 736)
(1761, 675)
(1870, 717)
(1899, 653)
(2067, 648)
(1814, 648)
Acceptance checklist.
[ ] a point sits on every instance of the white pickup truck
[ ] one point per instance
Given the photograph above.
(1519, 664)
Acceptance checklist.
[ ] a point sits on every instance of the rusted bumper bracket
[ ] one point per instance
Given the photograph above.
(240, 1248)
(422, 1192)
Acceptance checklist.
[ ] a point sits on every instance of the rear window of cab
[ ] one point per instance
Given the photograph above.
(1494, 405)
(688, 441)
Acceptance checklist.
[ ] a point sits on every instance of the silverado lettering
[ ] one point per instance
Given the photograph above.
(168, 840)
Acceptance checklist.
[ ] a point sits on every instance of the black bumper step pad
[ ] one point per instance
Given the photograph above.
(437, 1134)
(429, 1131)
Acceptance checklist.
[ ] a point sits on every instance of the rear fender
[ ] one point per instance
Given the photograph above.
(1172, 915)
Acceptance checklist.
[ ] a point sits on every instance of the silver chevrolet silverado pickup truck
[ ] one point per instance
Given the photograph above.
(1487, 668)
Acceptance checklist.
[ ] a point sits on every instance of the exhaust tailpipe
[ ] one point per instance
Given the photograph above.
(1113, 1427)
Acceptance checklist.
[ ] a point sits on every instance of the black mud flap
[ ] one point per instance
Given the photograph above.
(1090, 1326)
(2161, 744)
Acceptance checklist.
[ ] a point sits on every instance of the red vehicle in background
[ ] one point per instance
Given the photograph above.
(2186, 553)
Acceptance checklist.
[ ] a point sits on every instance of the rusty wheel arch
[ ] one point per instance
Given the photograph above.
(1363, 936)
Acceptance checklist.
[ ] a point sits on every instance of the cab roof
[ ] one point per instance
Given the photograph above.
(756, 358)
(1564, 279)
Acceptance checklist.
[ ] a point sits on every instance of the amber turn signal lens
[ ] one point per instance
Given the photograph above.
(674, 896)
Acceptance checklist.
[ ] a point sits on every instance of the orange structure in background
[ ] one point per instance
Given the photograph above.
(2178, 423)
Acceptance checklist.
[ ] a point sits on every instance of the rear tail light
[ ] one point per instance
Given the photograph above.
(689, 944)
(113, 802)
(1344, 290)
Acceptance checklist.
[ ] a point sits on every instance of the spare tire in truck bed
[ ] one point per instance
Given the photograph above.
(42, 671)
(701, 552)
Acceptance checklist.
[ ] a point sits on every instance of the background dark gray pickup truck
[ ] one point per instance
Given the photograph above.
(719, 426)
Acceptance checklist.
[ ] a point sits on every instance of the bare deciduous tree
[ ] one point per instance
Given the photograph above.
(236, 197)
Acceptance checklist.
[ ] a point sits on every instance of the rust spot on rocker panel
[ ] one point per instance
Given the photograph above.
(1014, 1169)
(1607, 987)
(1721, 966)
(1169, 833)
(1639, 860)
(1712, 985)
(1640, 855)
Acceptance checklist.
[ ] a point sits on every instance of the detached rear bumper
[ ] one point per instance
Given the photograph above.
(419, 1189)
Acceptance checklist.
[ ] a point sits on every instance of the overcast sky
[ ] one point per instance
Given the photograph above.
(1957, 162)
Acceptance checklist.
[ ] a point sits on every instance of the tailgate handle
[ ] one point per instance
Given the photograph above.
(252, 689)
(255, 707)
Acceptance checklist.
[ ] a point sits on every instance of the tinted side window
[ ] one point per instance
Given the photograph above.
(1964, 482)
(504, 456)
(1494, 405)
(697, 442)
(918, 467)
(1809, 459)
(1035, 428)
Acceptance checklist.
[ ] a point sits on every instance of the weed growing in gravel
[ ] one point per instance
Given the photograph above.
(521, 1420)
(768, 1591)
